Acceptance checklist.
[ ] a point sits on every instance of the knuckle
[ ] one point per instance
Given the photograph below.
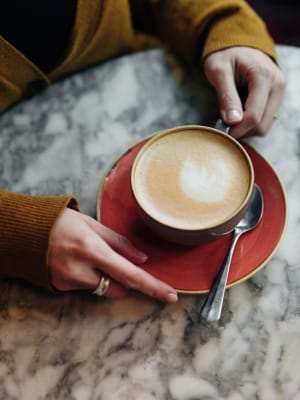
(84, 246)
(262, 71)
(156, 293)
(260, 131)
(133, 281)
(227, 99)
(84, 242)
(214, 67)
(217, 68)
(281, 83)
(122, 241)
(253, 119)
(62, 278)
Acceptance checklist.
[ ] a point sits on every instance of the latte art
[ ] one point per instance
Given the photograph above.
(207, 183)
(191, 179)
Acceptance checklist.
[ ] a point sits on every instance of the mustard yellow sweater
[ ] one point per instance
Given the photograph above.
(103, 29)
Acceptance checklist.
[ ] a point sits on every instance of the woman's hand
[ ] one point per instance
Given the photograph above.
(248, 68)
(81, 250)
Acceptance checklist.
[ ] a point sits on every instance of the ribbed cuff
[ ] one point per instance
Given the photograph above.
(242, 27)
(25, 225)
(183, 24)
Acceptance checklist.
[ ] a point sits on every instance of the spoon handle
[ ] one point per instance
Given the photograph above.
(220, 124)
(212, 306)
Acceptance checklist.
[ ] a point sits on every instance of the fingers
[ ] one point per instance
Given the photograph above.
(221, 76)
(79, 255)
(265, 83)
(114, 291)
(122, 270)
(255, 104)
(70, 273)
(77, 276)
(117, 242)
(130, 275)
(270, 114)
(266, 89)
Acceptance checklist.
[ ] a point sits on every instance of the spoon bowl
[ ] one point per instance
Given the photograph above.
(212, 306)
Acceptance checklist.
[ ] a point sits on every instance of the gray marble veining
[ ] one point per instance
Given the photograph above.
(77, 346)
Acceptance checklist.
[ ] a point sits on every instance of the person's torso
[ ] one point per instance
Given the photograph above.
(38, 29)
(41, 42)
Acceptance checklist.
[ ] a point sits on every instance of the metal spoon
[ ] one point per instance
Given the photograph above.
(212, 306)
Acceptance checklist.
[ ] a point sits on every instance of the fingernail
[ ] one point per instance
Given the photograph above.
(232, 115)
(171, 297)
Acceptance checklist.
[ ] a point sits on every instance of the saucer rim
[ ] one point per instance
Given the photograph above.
(114, 163)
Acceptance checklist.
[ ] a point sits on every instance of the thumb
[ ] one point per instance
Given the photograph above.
(231, 109)
(230, 104)
(231, 115)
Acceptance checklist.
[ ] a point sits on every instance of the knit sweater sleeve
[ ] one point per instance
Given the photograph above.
(25, 227)
(242, 27)
(195, 28)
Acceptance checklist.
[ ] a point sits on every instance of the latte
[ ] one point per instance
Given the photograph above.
(191, 178)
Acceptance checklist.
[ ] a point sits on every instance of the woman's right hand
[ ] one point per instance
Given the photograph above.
(249, 68)
(81, 251)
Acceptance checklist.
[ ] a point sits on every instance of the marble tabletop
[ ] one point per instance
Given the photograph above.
(78, 346)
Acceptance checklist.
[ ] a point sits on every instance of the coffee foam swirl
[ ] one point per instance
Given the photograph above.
(208, 183)
(191, 180)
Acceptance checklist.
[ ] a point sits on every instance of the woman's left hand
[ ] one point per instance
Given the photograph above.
(82, 251)
(235, 67)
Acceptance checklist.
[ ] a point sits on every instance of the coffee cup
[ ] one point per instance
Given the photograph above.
(192, 184)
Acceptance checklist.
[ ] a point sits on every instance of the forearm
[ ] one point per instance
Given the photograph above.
(25, 226)
(240, 28)
(195, 28)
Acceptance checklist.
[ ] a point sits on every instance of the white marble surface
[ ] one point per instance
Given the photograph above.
(78, 346)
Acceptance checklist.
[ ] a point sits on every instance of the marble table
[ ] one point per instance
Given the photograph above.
(79, 346)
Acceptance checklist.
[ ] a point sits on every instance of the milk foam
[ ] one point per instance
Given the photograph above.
(206, 183)
(191, 179)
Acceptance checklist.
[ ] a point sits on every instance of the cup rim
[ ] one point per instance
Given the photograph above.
(156, 136)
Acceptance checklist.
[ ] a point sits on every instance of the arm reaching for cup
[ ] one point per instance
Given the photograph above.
(235, 48)
(247, 67)
(82, 251)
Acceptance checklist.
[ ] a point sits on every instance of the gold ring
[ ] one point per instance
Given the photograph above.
(102, 287)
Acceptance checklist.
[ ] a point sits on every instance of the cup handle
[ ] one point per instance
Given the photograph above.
(221, 126)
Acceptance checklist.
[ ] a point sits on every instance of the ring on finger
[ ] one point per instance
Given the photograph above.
(103, 286)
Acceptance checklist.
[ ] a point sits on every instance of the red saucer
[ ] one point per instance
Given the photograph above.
(193, 269)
